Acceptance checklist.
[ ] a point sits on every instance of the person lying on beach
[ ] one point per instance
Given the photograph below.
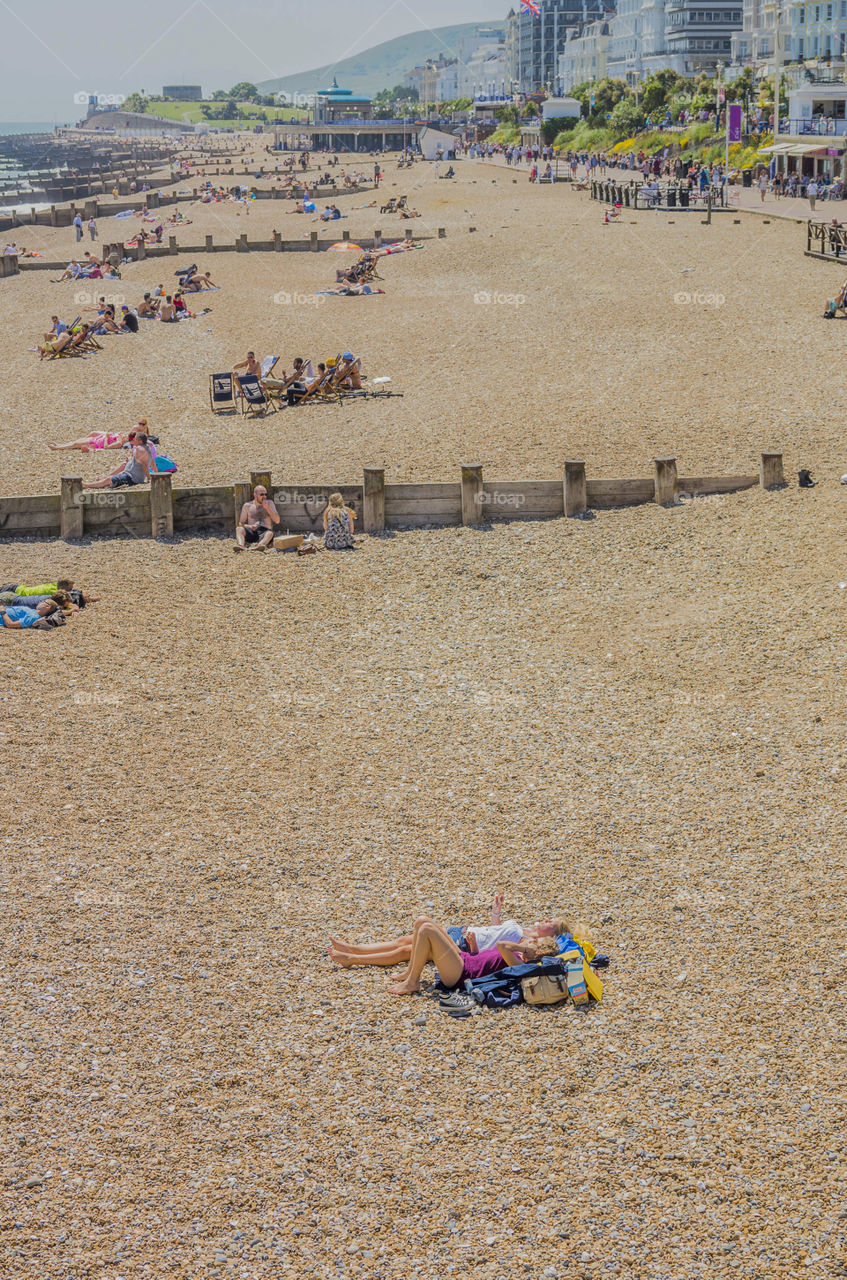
(95, 440)
(20, 593)
(432, 944)
(256, 522)
(472, 939)
(352, 290)
(195, 283)
(21, 617)
(135, 470)
(838, 303)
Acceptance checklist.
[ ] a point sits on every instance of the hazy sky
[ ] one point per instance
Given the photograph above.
(54, 49)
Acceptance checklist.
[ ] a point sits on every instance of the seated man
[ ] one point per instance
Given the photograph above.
(256, 522)
(148, 307)
(72, 271)
(167, 310)
(135, 470)
(250, 365)
(56, 328)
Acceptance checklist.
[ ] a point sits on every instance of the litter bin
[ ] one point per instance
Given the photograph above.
(671, 197)
(683, 198)
(746, 177)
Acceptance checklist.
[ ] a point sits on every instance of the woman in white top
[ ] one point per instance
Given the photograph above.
(475, 939)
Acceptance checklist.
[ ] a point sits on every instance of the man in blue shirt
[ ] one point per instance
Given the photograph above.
(19, 617)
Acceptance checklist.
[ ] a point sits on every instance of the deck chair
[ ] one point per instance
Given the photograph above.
(401, 203)
(268, 365)
(323, 388)
(221, 393)
(280, 388)
(253, 399)
(342, 370)
(184, 272)
(391, 207)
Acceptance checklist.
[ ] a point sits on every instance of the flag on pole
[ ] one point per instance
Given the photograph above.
(530, 6)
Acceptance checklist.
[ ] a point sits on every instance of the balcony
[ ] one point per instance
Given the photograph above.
(816, 128)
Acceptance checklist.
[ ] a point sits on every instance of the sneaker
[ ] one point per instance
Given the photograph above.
(457, 1000)
(577, 989)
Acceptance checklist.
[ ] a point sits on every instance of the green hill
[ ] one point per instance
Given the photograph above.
(381, 67)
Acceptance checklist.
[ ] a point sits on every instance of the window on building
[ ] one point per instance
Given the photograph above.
(843, 9)
(817, 13)
(803, 14)
(829, 13)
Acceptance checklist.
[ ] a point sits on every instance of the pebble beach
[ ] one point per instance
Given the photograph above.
(635, 720)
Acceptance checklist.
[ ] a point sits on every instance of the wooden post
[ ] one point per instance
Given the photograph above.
(140, 251)
(172, 245)
(770, 471)
(71, 512)
(808, 240)
(442, 232)
(665, 481)
(472, 494)
(277, 242)
(374, 500)
(377, 239)
(210, 248)
(53, 215)
(345, 235)
(161, 507)
(241, 493)
(576, 497)
(408, 233)
(260, 477)
(313, 241)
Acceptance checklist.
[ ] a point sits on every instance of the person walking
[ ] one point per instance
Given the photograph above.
(763, 184)
(78, 227)
(812, 193)
(92, 228)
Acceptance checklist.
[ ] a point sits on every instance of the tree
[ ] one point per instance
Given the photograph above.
(626, 119)
(220, 95)
(244, 91)
(659, 88)
(507, 114)
(135, 102)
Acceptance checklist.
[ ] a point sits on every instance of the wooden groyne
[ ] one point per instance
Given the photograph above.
(163, 510)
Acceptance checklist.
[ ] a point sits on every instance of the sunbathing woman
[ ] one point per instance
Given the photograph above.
(472, 939)
(103, 439)
(431, 944)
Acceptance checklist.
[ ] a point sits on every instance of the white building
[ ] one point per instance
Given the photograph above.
(813, 140)
(584, 55)
(818, 31)
(637, 43)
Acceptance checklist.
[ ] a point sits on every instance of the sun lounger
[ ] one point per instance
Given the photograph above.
(221, 393)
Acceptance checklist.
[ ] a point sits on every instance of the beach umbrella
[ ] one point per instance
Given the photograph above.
(343, 245)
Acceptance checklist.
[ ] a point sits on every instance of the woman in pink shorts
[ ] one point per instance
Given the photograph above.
(101, 439)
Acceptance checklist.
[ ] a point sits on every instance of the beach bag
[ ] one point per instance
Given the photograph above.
(163, 465)
(545, 990)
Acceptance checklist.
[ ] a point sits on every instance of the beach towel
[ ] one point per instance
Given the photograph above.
(126, 214)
